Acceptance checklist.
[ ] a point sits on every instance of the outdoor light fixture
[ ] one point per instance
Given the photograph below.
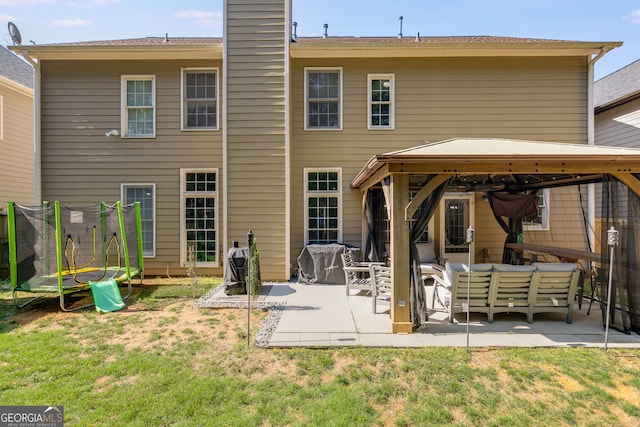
(112, 132)
(612, 241)
(470, 235)
(247, 285)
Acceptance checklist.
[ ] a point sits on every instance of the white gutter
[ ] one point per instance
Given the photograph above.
(591, 140)
(37, 143)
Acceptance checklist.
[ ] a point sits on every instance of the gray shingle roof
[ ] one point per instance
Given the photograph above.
(14, 68)
(425, 40)
(145, 41)
(621, 84)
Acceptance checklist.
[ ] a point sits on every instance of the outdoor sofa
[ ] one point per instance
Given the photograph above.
(503, 288)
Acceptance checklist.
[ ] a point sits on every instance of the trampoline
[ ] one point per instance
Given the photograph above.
(55, 248)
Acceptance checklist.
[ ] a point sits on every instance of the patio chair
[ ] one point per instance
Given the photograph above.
(451, 288)
(356, 274)
(553, 289)
(380, 284)
(430, 263)
(510, 286)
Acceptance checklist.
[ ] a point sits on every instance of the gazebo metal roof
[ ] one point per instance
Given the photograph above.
(511, 164)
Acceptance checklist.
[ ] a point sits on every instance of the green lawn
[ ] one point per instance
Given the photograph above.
(163, 362)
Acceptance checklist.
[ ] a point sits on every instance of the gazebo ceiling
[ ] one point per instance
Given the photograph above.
(492, 164)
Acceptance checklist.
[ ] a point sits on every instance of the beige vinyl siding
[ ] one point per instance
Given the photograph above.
(619, 126)
(17, 160)
(80, 165)
(255, 121)
(436, 99)
(488, 233)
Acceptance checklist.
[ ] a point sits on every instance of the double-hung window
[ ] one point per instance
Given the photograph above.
(146, 195)
(199, 99)
(323, 200)
(323, 98)
(138, 100)
(380, 105)
(542, 221)
(199, 217)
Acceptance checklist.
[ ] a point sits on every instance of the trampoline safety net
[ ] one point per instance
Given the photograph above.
(57, 248)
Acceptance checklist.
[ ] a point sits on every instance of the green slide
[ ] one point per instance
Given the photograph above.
(106, 296)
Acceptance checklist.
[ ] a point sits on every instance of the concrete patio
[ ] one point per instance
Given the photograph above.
(323, 316)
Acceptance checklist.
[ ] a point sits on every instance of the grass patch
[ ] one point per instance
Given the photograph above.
(162, 361)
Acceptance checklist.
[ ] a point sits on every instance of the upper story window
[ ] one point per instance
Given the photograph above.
(323, 200)
(380, 105)
(138, 106)
(542, 221)
(323, 98)
(199, 99)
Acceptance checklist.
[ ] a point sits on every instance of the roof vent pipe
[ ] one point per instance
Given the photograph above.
(326, 27)
(418, 37)
(166, 37)
(400, 33)
(295, 31)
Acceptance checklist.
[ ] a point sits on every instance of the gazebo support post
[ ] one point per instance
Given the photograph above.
(400, 295)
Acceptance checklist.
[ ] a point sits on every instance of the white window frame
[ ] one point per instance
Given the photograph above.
(124, 115)
(123, 188)
(183, 98)
(308, 194)
(391, 102)
(183, 232)
(543, 213)
(308, 70)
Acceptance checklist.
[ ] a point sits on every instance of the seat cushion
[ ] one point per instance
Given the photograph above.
(554, 266)
(458, 266)
(509, 267)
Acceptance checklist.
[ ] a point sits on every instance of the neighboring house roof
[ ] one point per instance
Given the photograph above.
(618, 87)
(14, 68)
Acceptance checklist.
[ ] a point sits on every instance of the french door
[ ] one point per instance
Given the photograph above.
(456, 215)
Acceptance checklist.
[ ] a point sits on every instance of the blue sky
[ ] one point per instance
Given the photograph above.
(57, 21)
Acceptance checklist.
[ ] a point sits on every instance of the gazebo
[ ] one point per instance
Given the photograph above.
(515, 167)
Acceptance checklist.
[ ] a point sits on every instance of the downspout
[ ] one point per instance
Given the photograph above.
(591, 96)
(223, 123)
(37, 140)
(591, 189)
(287, 132)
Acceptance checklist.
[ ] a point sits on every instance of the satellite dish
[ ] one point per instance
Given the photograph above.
(15, 34)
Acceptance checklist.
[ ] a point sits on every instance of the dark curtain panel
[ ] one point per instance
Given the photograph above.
(620, 209)
(514, 207)
(421, 217)
(370, 250)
